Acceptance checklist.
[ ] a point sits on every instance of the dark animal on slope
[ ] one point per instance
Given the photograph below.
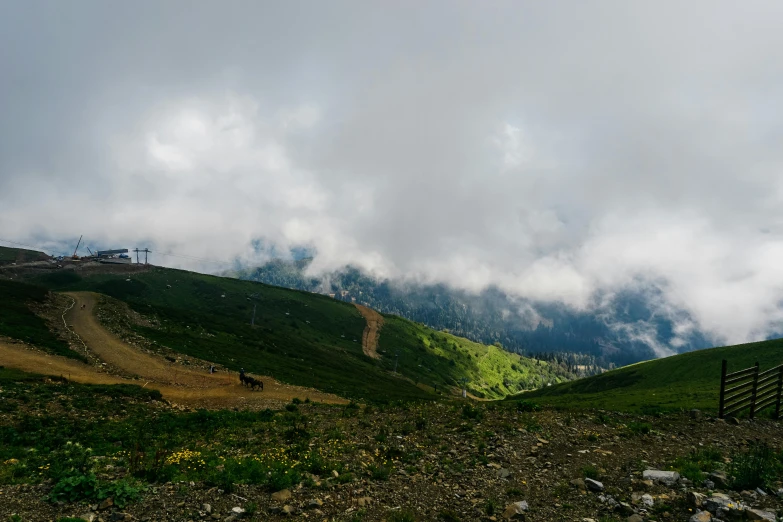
(243, 379)
(255, 383)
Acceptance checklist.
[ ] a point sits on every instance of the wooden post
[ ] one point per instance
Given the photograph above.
(780, 392)
(722, 388)
(753, 392)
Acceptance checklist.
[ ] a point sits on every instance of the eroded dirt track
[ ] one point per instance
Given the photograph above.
(372, 332)
(178, 384)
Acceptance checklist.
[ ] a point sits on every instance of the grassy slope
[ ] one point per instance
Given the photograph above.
(325, 353)
(690, 380)
(17, 320)
(19, 255)
(426, 356)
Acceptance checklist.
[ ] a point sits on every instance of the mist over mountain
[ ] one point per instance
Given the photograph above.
(618, 329)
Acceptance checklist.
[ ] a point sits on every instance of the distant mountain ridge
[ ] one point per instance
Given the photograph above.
(623, 333)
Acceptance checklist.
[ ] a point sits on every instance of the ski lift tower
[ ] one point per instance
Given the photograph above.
(464, 382)
(253, 297)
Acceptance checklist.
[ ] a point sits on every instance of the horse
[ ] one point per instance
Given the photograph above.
(255, 383)
(244, 379)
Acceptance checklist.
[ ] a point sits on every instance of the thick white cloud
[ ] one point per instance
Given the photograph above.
(561, 152)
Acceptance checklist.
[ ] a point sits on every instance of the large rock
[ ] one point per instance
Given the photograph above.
(594, 485)
(516, 511)
(757, 514)
(701, 516)
(695, 499)
(719, 478)
(667, 478)
(716, 502)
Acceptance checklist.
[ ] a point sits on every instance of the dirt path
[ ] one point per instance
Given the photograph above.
(372, 332)
(177, 384)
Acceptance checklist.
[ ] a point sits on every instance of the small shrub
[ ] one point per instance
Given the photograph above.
(526, 406)
(693, 465)
(513, 492)
(449, 515)
(123, 492)
(296, 400)
(639, 428)
(74, 488)
(753, 468)
(590, 472)
(292, 407)
(401, 516)
(471, 412)
(380, 472)
(491, 507)
(382, 435)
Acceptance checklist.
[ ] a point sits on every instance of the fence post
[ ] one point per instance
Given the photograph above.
(753, 393)
(780, 392)
(722, 388)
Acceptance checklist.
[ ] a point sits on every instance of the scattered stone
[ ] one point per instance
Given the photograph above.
(237, 511)
(634, 518)
(364, 502)
(516, 511)
(667, 478)
(719, 478)
(757, 514)
(696, 414)
(626, 509)
(315, 503)
(701, 516)
(289, 510)
(89, 517)
(579, 484)
(335, 474)
(206, 508)
(120, 517)
(695, 499)
(647, 500)
(708, 484)
(594, 485)
(503, 473)
(282, 495)
(106, 504)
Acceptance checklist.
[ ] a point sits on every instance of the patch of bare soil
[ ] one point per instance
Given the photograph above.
(121, 363)
(372, 332)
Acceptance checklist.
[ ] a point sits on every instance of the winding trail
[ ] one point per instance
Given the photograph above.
(178, 384)
(372, 332)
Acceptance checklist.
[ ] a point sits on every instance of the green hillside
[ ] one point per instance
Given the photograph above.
(19, 255)
(18, 321)
(301, 338)
(690, 380)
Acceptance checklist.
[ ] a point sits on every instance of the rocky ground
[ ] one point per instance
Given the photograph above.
(448, 461)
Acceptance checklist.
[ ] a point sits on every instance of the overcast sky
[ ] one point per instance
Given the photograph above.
(554, 149)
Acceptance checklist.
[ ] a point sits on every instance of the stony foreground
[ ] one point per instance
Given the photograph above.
(465, 463)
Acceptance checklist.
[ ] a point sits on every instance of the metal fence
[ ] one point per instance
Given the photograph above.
(750, 389)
